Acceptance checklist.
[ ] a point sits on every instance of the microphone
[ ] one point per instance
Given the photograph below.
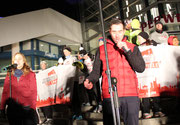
(125, 50)
(10, 67)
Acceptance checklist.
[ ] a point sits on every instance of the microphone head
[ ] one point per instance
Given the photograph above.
(14, 65)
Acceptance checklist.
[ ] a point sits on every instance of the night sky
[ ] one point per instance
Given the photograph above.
(69, 8)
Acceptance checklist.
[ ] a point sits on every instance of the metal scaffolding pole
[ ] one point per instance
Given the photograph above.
(114, 99)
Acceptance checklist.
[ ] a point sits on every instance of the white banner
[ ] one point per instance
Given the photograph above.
(161, 75)
(55, 85)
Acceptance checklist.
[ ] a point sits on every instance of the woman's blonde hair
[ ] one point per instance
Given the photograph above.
(26, 68)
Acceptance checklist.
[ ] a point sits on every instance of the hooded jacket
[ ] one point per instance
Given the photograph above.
(135, 24)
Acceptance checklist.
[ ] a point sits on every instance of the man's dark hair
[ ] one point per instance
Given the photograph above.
(116, 21)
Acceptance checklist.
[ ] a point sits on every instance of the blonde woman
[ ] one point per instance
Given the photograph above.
(22, 103)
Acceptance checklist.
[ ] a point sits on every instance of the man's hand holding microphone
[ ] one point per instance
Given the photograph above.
(122, 45)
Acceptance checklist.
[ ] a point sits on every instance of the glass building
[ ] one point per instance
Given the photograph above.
(41, 36)
(144, 10)
(147, 11)
(35, 51)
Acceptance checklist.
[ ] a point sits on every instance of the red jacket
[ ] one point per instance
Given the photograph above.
(24, 91)
(122, 66)
(127, 83)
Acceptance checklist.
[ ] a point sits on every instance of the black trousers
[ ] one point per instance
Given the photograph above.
(147, 104)
(97, 91)
(47, 111)
(129, 110)
(76, 99)
(81, 95)
(23, 117)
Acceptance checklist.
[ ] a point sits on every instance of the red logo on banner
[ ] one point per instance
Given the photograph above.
(51, 72)
(152, 92)
(52, 78)
(147, 52)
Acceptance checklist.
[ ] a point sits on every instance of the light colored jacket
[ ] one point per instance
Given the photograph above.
(70, 60)
(89, 64)
(161, 38)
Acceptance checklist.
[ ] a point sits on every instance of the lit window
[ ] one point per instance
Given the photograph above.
(27, 45)
(154, 12)
(54, 50)
(44, 47)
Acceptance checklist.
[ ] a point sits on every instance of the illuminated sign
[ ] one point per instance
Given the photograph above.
(167, 19)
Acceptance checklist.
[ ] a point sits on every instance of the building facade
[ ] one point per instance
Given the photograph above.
(39, 35)
(35, 51)
(147, 11)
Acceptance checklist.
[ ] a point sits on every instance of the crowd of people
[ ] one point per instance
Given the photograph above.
(125, 59)
(159, 36)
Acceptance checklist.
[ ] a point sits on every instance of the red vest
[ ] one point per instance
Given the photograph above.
(127, 83)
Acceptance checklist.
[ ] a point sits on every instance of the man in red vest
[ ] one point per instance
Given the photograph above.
(125, 60)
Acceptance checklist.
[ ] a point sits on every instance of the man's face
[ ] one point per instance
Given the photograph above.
(159, 26)
(117, 32)
(79, 56)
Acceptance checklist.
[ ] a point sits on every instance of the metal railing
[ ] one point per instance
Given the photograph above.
(2, 76)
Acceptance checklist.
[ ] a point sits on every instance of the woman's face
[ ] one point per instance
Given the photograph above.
(18, 59)
(141, 39)
(43, 66)
(66, 52)
(175, 42)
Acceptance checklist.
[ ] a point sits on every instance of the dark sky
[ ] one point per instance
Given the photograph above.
(69, 8)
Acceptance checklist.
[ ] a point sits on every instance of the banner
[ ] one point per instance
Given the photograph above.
(161, 75)
(55, 85)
